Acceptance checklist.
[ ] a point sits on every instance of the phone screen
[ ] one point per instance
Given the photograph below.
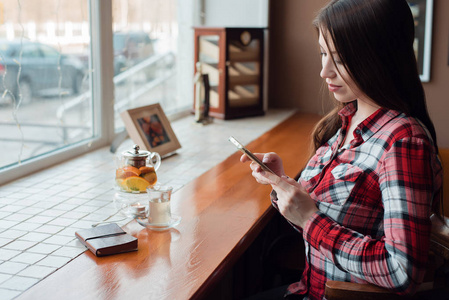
(249, 154)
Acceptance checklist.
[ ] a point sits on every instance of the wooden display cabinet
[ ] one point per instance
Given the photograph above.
(233, 59)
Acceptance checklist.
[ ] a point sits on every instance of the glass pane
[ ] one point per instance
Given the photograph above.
(145, 36)
(45, 102)
(209, 56)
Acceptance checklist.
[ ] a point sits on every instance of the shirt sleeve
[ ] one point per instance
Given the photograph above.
(397, 261)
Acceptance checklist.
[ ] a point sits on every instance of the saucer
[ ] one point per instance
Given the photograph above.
(175, 220)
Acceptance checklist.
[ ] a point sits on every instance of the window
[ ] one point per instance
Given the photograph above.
(42, 71)
(48, 51)
(62, 63)
(144, 42)
(28, 51)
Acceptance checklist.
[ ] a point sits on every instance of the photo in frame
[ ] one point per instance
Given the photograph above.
(149, 128)
(422, 11)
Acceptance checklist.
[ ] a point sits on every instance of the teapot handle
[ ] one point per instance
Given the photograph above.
(155, 160)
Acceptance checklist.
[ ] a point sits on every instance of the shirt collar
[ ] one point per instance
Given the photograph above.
(370, 125)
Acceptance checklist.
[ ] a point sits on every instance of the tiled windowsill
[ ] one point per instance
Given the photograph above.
(39, 214)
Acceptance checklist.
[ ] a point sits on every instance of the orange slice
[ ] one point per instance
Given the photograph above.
(150, 177)
(144, 170)
(132, 169)
(136, 184)
(126, 172)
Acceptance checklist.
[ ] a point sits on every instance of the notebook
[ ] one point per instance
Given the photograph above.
(107, 239)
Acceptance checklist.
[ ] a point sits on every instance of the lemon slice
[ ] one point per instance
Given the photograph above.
(121, 184)
(136, 184)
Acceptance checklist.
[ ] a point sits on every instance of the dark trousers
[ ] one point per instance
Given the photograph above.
(274, 294)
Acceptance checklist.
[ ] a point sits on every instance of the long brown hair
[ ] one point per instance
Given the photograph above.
(374, 40)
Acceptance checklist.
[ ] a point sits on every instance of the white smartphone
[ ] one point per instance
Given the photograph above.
(249, 154)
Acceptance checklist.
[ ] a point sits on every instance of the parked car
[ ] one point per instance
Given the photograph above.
(131, 48)
(42, 67)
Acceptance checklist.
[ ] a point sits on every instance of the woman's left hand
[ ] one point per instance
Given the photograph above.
(294, 202)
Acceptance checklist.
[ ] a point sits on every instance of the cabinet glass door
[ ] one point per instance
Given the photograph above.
(244, 71)
(209, 55)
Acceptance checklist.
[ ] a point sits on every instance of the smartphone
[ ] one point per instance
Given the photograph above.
(249, 154)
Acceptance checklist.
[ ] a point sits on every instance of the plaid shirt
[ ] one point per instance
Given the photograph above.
(374, 198)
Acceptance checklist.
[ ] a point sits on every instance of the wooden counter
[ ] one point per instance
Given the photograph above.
(222, 213)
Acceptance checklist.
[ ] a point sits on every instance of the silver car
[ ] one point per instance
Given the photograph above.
(43, 70)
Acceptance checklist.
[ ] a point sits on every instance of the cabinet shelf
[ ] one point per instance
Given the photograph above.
(249, 53)
(233, 59)
(241, 74)
(209, 48)
(241, 96)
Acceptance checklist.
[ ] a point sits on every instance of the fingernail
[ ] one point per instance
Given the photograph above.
(265, 159)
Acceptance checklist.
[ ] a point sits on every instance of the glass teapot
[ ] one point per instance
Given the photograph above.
(136, 170)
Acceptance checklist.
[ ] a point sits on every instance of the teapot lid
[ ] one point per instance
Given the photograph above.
(136, 154)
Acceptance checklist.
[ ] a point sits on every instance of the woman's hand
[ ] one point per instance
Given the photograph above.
(272, 160)
(294, 203)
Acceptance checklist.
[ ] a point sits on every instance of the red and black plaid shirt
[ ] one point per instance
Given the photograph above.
(374, 198)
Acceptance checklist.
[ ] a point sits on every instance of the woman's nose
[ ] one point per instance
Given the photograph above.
(327, 69)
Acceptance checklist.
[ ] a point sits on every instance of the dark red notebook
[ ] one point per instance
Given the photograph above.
(107, 239)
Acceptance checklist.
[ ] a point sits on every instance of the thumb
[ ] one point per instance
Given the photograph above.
(269, 157)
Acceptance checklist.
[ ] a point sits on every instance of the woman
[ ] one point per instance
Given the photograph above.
(364, 199)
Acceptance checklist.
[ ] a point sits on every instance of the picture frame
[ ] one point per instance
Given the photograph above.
(422, 11)
(149, 128)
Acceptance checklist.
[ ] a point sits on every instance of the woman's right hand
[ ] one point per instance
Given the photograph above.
(271, 159)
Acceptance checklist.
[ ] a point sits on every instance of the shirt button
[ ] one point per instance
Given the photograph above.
(357, 131)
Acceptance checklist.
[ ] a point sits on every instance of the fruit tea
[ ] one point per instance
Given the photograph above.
(135, 180)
